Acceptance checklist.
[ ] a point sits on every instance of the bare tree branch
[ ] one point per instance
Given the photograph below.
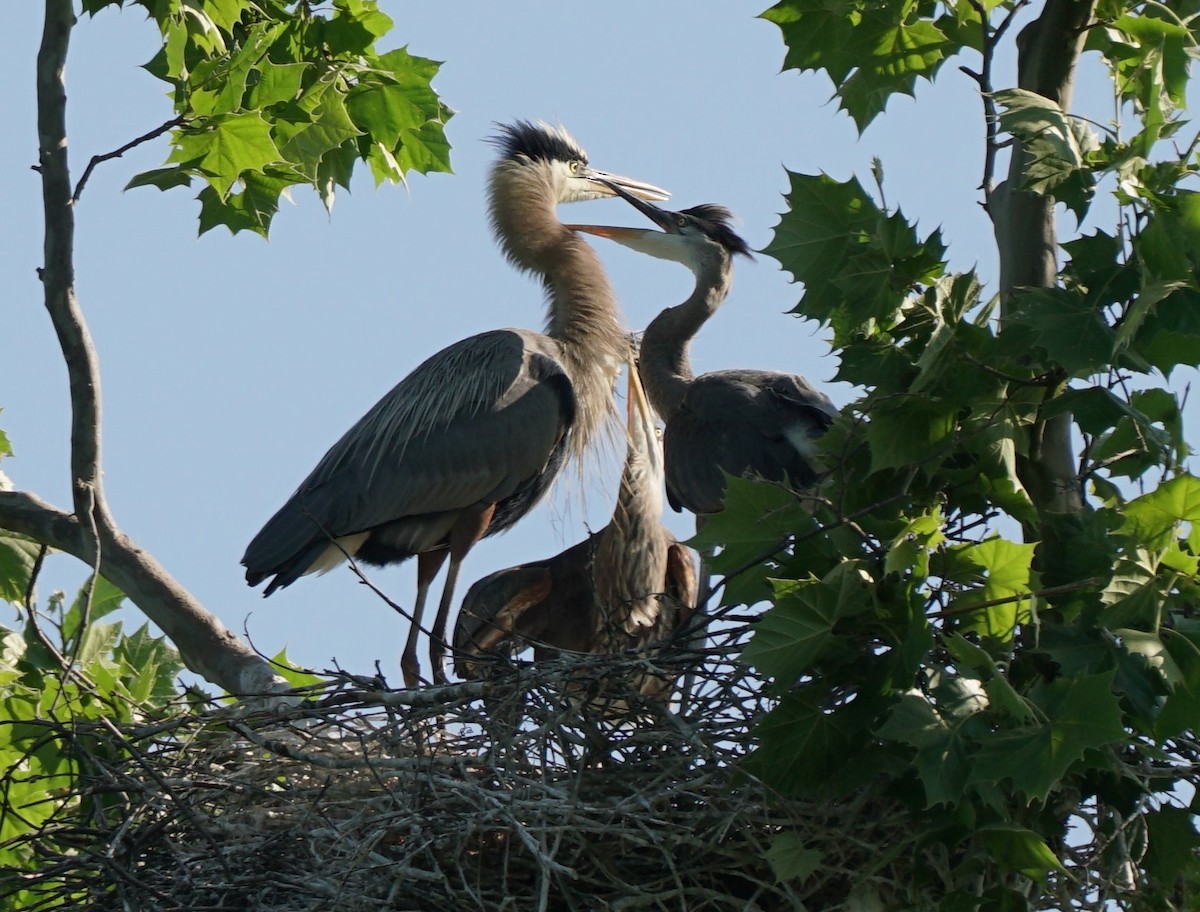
(117, 153)
(205, 644)
(89, 533)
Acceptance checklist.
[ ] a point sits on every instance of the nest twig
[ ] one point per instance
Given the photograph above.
(541, 788)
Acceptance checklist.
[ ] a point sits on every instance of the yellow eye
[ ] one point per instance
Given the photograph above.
(680, 222)
(575, 166)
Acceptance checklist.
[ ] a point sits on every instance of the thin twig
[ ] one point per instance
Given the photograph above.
(117, 153)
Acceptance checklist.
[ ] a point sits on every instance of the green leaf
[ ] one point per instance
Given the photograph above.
(907, 431)
(794, 633)
(791, 859)
(1153, 520)
(1181, 710)
(228, 148)
(1079, 713)
(943, 752)
(869, 50)
(17, 557)
(250, 210)
(277, 82)
(1171, 844)
(328, 126)
(1067, 326)
(150, 666)
(96, 602)
(292, 673)
(827, 222)
(1016, 848)
(800, 746)
(162, 178)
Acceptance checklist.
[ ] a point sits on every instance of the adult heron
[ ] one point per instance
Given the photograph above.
(467, 444)
(628, 586)
(744, 422)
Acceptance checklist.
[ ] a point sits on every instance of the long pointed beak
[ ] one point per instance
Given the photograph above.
(660, 217)
(613, 233)
(638, 405)
(625, 187)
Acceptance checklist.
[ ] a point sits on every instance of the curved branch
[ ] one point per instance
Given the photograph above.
(206, 646)
(90, 533)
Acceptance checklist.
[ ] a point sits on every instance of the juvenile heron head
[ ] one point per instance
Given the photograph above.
(689, 236)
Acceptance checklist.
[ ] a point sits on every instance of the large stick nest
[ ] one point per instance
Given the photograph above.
(526, 791)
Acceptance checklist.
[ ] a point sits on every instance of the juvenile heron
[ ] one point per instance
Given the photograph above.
(466, 444)
(628, 586)
(753, 423)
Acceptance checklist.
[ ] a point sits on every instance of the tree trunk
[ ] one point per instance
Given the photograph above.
(1048, 50)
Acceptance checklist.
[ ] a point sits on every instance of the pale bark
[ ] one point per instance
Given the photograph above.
(90, 533)
(1048, 50)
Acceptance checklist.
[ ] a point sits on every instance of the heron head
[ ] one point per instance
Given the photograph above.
(553, 153)
(689, 236)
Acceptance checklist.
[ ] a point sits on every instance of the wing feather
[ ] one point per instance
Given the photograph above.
(472, 424)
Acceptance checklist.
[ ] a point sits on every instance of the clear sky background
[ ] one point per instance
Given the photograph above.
(231, 364)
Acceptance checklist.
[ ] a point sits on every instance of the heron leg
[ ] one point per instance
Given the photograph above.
(697, 623)
(467, 530)
(428, 565)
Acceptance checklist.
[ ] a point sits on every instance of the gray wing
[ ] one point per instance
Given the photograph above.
(747, 423)
(472, 424)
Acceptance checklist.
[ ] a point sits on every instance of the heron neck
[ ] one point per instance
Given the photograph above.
(582, 313)
(666, 365)
(632, 549)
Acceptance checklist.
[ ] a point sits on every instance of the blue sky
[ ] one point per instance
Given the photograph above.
(231, 364)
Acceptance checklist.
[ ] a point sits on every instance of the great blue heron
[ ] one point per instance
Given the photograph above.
(466, 444)
(752, 423)
(628, 586)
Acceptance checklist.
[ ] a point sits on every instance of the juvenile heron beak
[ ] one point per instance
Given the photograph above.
(630, 236)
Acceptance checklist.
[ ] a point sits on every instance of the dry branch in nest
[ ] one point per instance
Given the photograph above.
(529, 791)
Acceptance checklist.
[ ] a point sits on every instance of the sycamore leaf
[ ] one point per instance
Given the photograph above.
(798, 629)
(869, 50)
(292, 673)
(17, 557)
(162, 178)
(1181, 710)
(1067, 326)
(800, 746)
(249, 210)
(93, 601)
(1078, 713)
(1171, 844)
(910, 431)
(943, 751)
(1016, 848)
(1153, 520)
(827, 222)
(227, 148)
(791, 859)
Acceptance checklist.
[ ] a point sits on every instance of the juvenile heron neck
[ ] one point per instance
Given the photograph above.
(666, 366)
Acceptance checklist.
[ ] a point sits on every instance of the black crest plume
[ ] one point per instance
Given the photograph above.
(537, 142)
(714, 220)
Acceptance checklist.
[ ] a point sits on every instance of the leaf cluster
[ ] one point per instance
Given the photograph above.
(59, 669)
(938, 634)
(269, 95)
